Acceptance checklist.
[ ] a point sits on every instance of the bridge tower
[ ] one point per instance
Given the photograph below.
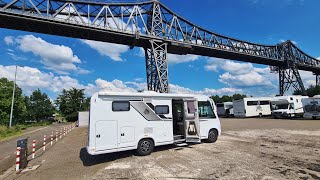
(289, 75)
(317, 79)
(156, 55)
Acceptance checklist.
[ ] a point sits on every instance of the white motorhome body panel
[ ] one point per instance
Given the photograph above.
(251, 107)
(122, 130)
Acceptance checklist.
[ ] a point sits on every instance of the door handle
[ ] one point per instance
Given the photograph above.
(122, 134)
(98, 136)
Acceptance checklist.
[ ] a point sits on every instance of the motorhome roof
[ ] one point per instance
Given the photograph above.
(146, 94)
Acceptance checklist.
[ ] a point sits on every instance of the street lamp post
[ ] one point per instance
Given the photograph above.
(13, 92)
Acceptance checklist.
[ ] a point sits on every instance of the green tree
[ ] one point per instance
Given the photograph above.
(225, 98)
(311, 91)
(238, 96)
(70, 102)
(19, 110)
(39, 106)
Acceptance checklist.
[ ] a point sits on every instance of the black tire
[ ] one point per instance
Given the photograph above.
(145, 147)
(289, 116)
(212, 136)
(314, 118)
(260, 115)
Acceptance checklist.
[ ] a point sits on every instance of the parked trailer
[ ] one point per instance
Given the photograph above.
(287, 106)
(252, 107)
(141, 121)
(225, 109)
(311, 107)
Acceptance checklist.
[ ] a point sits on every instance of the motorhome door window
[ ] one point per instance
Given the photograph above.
(191, 108)
(162, 109)
(120, 106)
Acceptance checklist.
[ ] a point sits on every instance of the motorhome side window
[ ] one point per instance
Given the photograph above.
(205, 110)
(120, 106)
(162, 109)
(252, 103)
(264, 102)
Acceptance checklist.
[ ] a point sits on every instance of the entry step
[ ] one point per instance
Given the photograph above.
(181, 144)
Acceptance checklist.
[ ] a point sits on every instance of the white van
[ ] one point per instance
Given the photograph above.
(287, 106)
(126, 121)
(225, 109)
(252, 107)
(311, 107)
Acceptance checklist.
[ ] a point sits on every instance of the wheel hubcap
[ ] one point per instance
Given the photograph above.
(145, 146)
(211, 135)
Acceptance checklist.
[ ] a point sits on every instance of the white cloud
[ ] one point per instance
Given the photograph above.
(240, 74)
(59, 58)
(318, 58)
(114, 51)
(307, 78)
(30, 79)
(9, 40)
(176, 59)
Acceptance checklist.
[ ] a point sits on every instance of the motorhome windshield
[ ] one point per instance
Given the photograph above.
(280, 106)
(205, 110)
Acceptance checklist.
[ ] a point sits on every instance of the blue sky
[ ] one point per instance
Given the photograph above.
(68, 62)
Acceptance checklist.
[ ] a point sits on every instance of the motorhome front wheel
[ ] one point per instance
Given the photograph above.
(212, 136)
(145, 147)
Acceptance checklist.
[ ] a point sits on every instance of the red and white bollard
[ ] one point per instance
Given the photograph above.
(56, 135)
(64, 131)
(60, 133)
(18, 159)
(44, 142)
(51, 139)
(33, 148)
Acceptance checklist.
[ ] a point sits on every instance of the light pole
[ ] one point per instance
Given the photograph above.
(13, 91)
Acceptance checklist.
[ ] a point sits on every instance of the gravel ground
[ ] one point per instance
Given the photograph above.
(263, 150)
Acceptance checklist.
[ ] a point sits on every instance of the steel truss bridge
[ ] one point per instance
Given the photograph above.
(158, 30)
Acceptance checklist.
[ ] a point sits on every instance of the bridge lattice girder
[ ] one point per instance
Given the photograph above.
(141, 24)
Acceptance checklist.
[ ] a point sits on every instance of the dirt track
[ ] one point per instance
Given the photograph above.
(264, 150)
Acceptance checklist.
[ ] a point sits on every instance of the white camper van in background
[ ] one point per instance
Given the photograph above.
(311, 107)
(287, 106)
(225, 109)
(251, 107)
(126, 121)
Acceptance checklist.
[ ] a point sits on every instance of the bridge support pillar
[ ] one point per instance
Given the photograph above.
(290, 77)
(157, 67)
(317, 79)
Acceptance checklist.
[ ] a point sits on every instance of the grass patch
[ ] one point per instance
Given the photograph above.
(6, 133)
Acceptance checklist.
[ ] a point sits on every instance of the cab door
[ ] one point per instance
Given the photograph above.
(192, 124)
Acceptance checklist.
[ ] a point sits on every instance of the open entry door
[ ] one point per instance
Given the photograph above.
(192, 124)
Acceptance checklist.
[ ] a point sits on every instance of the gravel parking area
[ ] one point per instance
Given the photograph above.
(247, 149)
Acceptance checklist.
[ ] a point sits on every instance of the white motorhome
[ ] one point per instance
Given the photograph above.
(252, 107)
(311, 107)
(287, 106)
(225, 109)
(141, 121)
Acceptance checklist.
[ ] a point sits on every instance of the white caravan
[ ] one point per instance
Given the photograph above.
(225, 109)
(251, 107)
(141, 121)
(287, 106)
(311, 107)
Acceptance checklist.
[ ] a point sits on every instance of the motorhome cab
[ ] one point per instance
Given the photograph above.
(287, 106)
(225, 109)
(251, 107)
(311, 107)
(126, 121)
